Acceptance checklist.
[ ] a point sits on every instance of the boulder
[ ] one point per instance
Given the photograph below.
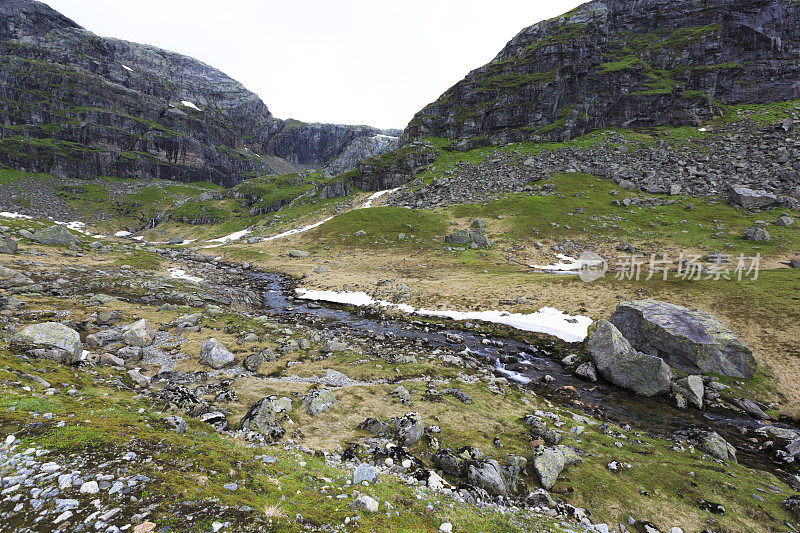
(757, 234)
(319, 400)
(49, 340)
(54, 235)
(710, 442)
(141, 333)
(587, 371)
(409, 428)
(474, 238)
(176, 424)
(298, 253)
(365, 503)
(11, 278)
(752, 198)
(783, 220)
(548, 463)
(622, 365)
(332, 345)
(254, 361)
(108, 318)
(448, 462)
(215, 354)
(263, 417)
(693, 341)
(691, 388)
(8, 246)
(486, 474)
(365, 472)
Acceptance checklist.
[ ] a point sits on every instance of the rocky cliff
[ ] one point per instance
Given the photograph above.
(623, 63)
(78, 105)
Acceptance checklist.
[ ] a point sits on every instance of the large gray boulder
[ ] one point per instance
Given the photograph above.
(550, 462)
(215, 354)
(319, 400)
(752, 198)
(487, 474)
(622, 365)
(141, 333)
(757, 234)
(8, 246)
(264, 417)
(55, 235)
(693, 341)
(49, 340)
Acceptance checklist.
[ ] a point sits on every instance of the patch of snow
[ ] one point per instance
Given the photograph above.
(6, 214)
(123, 234)
(565, 264)
(187, 103)
(179, 273)
(139, 238)
(375, 196)
(382, 136)
(297, 230)
(703, 129)
(126, 67)
(75, 225)
(232, 237)
(546, 320)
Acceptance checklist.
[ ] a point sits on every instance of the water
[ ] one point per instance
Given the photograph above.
(527, 362)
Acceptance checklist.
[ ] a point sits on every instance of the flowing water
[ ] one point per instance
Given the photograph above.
(526, 362)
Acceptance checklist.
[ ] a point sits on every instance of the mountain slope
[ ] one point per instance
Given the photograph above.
(618, 63)
(78, 105)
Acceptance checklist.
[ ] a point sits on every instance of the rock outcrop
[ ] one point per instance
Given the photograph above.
(693, 341)
(614, 63)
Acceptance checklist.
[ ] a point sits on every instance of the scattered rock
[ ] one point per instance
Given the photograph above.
(215, 354)
(365, 503)
(319, 400)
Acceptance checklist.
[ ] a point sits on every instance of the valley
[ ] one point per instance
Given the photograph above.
(524, 312)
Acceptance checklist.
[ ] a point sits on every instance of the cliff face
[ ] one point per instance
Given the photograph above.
(623, 63)
(79, 105)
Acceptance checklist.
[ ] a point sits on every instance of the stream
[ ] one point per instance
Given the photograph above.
(526, 362)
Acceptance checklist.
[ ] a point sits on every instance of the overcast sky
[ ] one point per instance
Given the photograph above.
(346, 61)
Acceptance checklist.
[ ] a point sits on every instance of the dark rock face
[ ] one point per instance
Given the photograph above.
(318, 144)
(616, 63)
(78, 105)
(393, 169)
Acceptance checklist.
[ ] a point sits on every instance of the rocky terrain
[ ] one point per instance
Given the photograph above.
(79, 105)
(241, 409)
(565, 299)
(610, 64)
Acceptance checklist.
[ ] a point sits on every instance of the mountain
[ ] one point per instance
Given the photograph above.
(78, 105)
(620, 63)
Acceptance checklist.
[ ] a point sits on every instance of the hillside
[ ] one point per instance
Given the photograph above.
(564, 301)
(78, 105)
(615, 63)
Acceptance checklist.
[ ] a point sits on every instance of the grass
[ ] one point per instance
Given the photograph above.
(382, 226)
(556, 217)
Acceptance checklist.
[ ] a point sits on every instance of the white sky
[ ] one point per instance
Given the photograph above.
(345, 61)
